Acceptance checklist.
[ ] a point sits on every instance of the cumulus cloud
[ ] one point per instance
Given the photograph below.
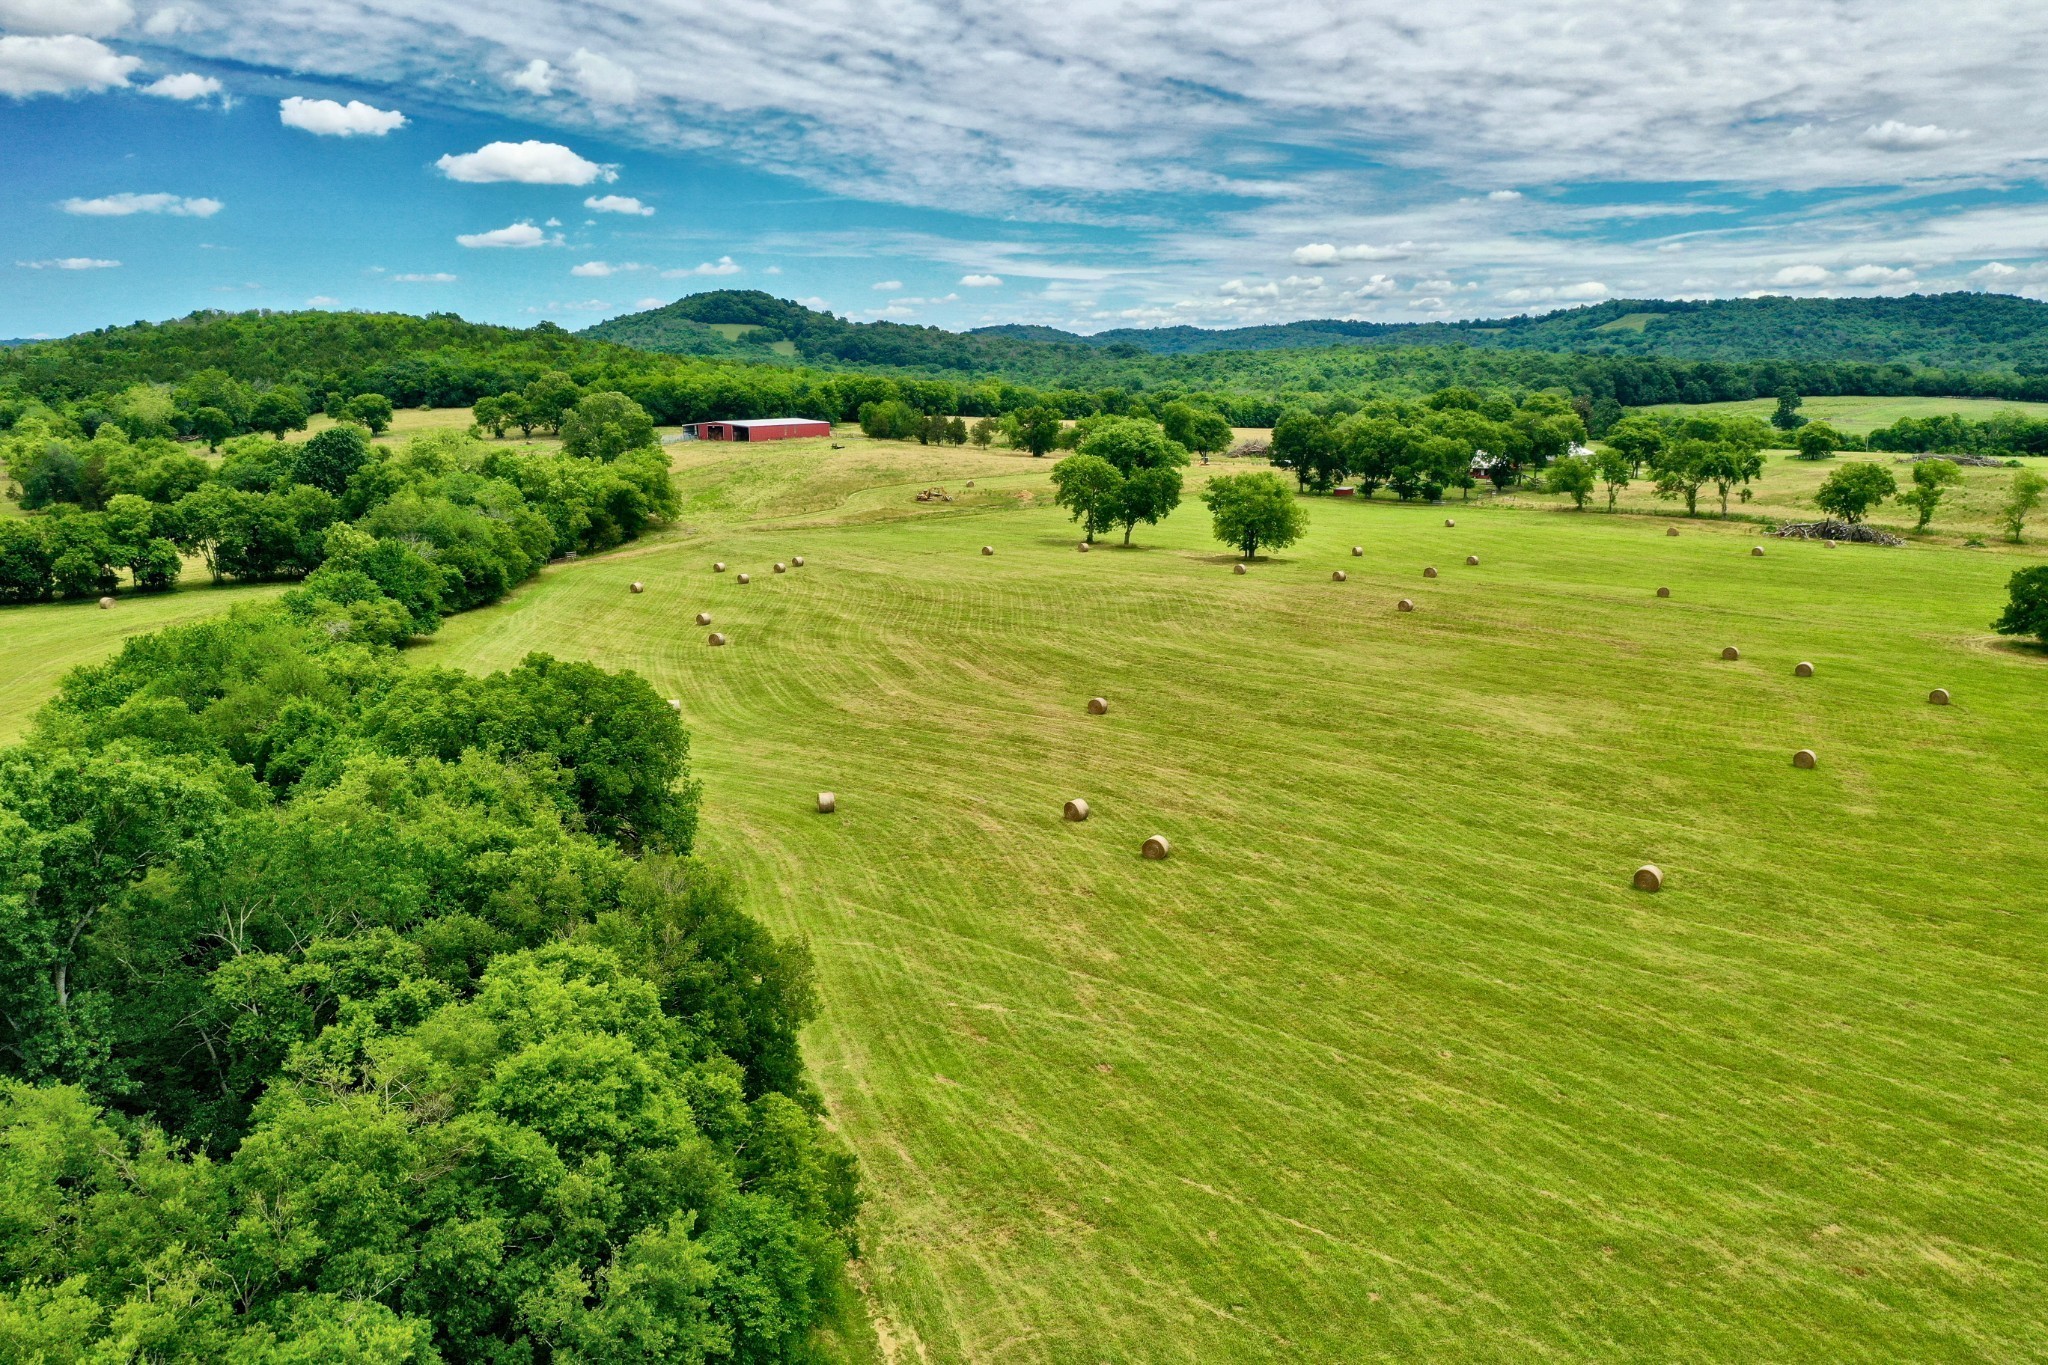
(186, 85)
(1894, 136)
(649, 302)
(60, 65)
(1504, 196)
(93, 18)
(168, 22)
(69, 263)
(1994, 270)
(125, 204)
(517, 235)
(1878, 274)
(1586, 291)
(331, 118)
(596, 269)
(525, 163)
(1799, 276)
(434, 277)
(321, 301)
(535, 78)
(1378, 287)
(981, 281)
(1325, 253)
(602, 80)
(617, 203)
(724, 265)
(888, 286)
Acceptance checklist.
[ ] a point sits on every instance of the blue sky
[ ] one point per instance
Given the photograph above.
(964, 163)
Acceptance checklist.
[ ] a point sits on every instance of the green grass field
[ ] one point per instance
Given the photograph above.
(1387, 1062)
(1859, 415)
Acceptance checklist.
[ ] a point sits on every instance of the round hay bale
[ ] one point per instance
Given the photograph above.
(715, 639)
(1756, 552)
(970, 483)
(1671, 530)
(639, 587)
(106, 603)
(1831, 545)
(1731, 653)
(1156, 847)
(1802, 669)
(1429, 571)
(1237, 568)
(703, 618)
(796, 561)
(1449, 522)
(1404, 605)
(1649, 877)
(988, 549)
(781, 567)
(1077, 810)
(1663, 592)
(1804, 759)
(1358, 552)
(745, 578)
(1471, 560)
(1938, 697)
(719, 567)
(1339, 576)
(828, 803)
(1084, 547)
(675, 703)
(1098, 706)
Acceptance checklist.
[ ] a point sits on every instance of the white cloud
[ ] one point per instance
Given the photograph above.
(1878, 274)
(1239, 289)
(1586, 292)
(1504, 196)
(981, 281)
(321, 301)
(602, 80)
(124, 204)
(1324, 253)
(650, 302)
(535, 78)
(168, 22)
(331, 118)
(1799, 276)
(69, 263)
(1378, 287)
(1894, 136)
(816, 304)
(186, 85)
(525, 163)
(517, 235)
(888, 286)
(1994, 270)
(594, 269)
(435, 277)
(724, 265)
(93, 18)
(772, 270)
(617, 203)
(59, 65)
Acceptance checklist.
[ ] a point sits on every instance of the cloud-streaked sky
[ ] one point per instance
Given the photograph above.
(965, 162)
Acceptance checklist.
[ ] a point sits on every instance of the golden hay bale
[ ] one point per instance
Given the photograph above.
(1802, 669)
(639, 587)
(1404, 605)
(1358, 552)
(1429, 572)
(1237, 568)
(675, 703)
(1098, 706)
(970, 483)
(1339, 576)
(1938, 697)
(1471, 559)
(1831, 545)
(1671, 530)
(1077, 810)
(1731, 653)
(1804, 759)
(1084, 547)
(703, 618)
(988, 549)
(1663, 592)
(1756, 552)
(828, 802)
(797, 561)
(1649, 877)
(1156, 847)
(719, 567)
(715, 639)
(780, 567)
(1449, 522)
(745, 578)
(106, 603)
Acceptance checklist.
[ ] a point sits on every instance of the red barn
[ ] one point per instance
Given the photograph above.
(758, 429)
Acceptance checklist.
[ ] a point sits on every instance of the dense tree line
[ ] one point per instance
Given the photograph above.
(357, 1011)
(1419, 449)
(2002, 433)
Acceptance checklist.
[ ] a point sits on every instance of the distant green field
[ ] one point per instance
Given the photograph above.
(1628, 322)
(1387, 1062)
(1863, 415)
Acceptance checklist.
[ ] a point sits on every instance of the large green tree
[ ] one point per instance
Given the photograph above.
(1091, 489)
(1851, 491)
(1254, 511)
(1931, 481)
(605, 425)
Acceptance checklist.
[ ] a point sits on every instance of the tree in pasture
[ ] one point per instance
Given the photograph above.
(890, 420)
(2023, 496)
(1817, 441)
(1374, 444)
(985, 432)
(1572, 476)
(278, 410)
(211, 425)
(1682, 467)
(2026, 610)
(1254, 511)
(605, 425)
(1639, 439)
(1786, 417)
(1147, 496)
(1133, 443)
(548, 398)
(493, 413)
(1614, 470)
(1851, 491)
(333, 456)
(373, 410)
(1091, 489)
(1730, 466)
(1306, 444)
(1036, 429)
(956, 431)
(1199, 429)
(1931, 480)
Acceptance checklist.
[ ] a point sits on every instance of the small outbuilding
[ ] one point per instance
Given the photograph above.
(757, 429)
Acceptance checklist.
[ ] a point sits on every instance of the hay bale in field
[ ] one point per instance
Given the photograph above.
(1938, 697)
(1084, 547)
(1404, 605)
(1649, 877)
(1157, 847)
(675, 703)
(1237, 568)
(1339, 576)
(1358, 552)
(719, 567)
(1429, 571)
(1671, 530)
(1731, 653)
(703, 618)
(745, 578)
(1663, 592)
(970, 483)
(828, 803)
(1804, 759)
(1756, 552)
(781, 567)
(715, 639)
(639, 587)
(106, 603)
(797, 561)
(988, 549)
(1098, 706)
(1471, 561)
(1831, 545)
(1449, 522)
(1076, 810)
(1802, 669)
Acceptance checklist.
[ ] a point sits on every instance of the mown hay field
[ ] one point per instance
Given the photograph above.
(1387, 1061)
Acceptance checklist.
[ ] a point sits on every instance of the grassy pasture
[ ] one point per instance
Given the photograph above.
(1387, 1062)
(1854, 414)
